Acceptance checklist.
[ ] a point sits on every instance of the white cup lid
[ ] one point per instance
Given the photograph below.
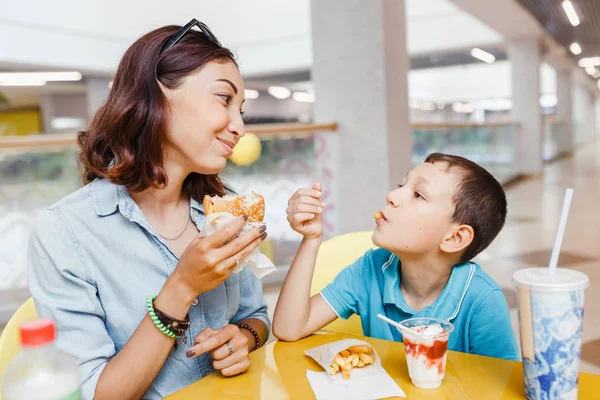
(540, 279)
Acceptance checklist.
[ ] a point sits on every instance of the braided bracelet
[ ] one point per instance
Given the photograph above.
(156, 320)
(253, 332)
(177, 326)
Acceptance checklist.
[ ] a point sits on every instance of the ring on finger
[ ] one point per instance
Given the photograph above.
(229, 348)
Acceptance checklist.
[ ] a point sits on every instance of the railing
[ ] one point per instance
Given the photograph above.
(490, 145)
(62, 140)
(556, 140)
(36, 171)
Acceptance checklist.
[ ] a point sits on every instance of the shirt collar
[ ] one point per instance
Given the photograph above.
(105, 195)
(108, 197)
(449, 301)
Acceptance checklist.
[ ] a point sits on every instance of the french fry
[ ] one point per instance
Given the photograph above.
(359, 349)
(352, 357)
(367, 359)
(339, 360)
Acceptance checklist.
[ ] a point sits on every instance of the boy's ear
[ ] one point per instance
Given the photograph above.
(458, 240)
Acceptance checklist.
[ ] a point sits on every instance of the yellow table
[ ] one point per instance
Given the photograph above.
(278, 371)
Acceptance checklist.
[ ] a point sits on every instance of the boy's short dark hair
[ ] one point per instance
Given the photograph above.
(479, 202)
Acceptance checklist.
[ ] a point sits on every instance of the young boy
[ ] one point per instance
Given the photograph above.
(445, 212)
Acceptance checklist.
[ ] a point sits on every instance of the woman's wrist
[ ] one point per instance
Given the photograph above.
(251, 328)
(175, 298)
(250, 337)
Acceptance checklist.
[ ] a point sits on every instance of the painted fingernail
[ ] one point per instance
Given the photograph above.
(262, 229)
(190, 353)
(263, 236)
(245, 217)
(319, 209)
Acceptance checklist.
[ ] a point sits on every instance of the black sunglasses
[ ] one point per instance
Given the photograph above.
(176, 37)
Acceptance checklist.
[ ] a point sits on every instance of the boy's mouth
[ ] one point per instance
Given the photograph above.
(380, 218)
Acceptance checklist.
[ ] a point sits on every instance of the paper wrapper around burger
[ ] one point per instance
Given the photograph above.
(222, 210)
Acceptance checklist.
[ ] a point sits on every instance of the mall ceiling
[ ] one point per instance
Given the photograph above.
(552, 17)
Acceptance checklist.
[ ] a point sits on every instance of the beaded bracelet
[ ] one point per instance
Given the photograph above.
(253, 332)
(159, 325)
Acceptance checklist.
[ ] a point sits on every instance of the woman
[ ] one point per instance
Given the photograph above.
(153, 150)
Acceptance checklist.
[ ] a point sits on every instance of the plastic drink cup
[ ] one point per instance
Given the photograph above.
(426, 352)
(550, 307)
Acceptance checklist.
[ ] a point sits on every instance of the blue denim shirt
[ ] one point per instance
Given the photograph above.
(93, 259)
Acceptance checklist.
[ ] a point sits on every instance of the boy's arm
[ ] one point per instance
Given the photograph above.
(297, 314)
(491, 332)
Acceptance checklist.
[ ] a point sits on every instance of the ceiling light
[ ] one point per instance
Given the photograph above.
(304, 97)
(575, 48)
(483, 55)
(279, 92)
(42, 76)
(590, 61)
(36, 78)
(570, 11)
(67, 123)
(590, 70)
(548, 100)
(463, 108)
(21, 81)
(251, 94)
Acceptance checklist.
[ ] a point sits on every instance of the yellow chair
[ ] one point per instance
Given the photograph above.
(10, 344)
(334, 255)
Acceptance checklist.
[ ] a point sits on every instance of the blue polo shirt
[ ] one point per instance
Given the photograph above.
(471, 300)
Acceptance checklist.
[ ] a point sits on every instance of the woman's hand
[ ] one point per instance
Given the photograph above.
(228, 347)
(208, 261)
(305, 210)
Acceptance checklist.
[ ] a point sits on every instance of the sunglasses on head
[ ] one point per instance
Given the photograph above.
(176, 37)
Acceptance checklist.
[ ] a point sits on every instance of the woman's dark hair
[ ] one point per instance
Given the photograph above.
(125, 141)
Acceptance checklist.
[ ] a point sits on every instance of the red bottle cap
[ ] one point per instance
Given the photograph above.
(38, 332)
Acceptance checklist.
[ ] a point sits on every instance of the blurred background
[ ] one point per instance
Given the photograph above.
(351, 93)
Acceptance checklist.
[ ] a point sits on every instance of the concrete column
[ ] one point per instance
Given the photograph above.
(360, 72)
(97, 92)
(525, 58)
(564, 109)
(63, 112)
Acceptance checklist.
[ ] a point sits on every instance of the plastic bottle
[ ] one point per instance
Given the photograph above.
(41, 371)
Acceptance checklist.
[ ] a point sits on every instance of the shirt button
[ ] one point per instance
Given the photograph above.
(195, 302)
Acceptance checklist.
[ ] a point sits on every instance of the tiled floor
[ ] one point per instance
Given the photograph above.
(527, 239)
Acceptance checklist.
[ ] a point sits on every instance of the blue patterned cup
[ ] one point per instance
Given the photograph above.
(550, 320)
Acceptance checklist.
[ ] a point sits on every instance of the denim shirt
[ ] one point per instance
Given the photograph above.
(93, 259)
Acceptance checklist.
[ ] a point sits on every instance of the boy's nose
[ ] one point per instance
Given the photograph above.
(392, 198)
